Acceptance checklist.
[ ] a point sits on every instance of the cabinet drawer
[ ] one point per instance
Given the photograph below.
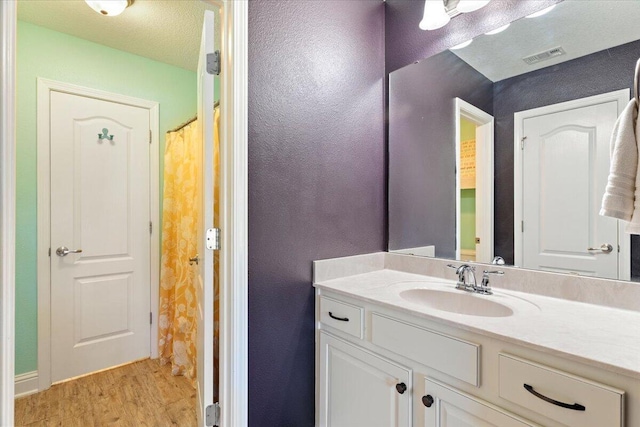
(545, 390)
(342, 316)
(446, 354)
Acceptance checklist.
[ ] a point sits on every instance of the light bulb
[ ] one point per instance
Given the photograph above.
(541, 12)
(462, 45)
(498, 30)
(466, 6)
(434, 15)
(108, 7)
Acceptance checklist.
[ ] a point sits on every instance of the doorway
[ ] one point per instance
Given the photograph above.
(561, 166)
(474, 183)
(233, 293)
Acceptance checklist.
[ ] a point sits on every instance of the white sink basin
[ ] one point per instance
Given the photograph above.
(458, 302)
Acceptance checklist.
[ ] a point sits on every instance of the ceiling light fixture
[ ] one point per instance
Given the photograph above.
(438, 13)
(541, 12)
(435, 16)
(109, 7)
(466, 6)
(498, 30)
(462, 45)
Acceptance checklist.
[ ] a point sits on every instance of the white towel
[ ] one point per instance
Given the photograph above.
(618, 199)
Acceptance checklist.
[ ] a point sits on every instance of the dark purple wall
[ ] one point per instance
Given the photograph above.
(601, 72)
(316, 180)
(406, 43)
(422, 203)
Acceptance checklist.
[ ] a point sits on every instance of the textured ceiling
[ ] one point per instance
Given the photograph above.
(581, 27)
(164, 30)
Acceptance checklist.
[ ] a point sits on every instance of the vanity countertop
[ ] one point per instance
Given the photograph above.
(604, 337)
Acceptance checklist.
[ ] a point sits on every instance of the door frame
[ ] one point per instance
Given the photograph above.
(44, 89)
(622, 97)
(234, 213)
(484, 191)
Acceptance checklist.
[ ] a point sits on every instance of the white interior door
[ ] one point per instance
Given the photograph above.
(100, 290)
(565, 163)
(205, 291)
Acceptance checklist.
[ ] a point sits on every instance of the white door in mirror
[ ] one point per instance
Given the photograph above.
(565, 163)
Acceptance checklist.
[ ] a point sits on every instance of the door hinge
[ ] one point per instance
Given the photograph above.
(150, 138)
(212, 415)
(49, 252)
(522, 143)
(151, 318)
(522, 226)
(213, 239)
(213, 63)
(150, 227)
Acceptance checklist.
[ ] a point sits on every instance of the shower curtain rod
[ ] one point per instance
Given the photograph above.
(193, 119)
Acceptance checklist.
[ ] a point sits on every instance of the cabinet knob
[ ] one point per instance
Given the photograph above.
(427, 400)
(401, 388)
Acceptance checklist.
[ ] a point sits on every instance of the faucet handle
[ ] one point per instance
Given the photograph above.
(496, 272)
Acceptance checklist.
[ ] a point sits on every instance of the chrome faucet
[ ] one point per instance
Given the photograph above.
(467, 279)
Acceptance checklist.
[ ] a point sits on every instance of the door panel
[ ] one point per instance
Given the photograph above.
(100, 298)
(451, 408)
(358, 388)
(565, 168)
(204, 285)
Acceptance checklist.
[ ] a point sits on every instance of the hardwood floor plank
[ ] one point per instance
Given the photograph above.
(135, 395)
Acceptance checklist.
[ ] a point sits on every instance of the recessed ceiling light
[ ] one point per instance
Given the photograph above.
(109, 7)
(541, 12)
(498, 30)
(462, 45)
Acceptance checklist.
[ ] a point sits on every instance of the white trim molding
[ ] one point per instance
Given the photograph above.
(234, 303)
(44, 89)
(8, 25)
(26, 384)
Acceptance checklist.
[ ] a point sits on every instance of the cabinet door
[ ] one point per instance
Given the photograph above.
(446, 407)
(361, 389)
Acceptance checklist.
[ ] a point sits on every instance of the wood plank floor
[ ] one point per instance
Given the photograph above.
(140, 394)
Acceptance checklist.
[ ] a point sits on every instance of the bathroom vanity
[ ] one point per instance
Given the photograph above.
(398, 345)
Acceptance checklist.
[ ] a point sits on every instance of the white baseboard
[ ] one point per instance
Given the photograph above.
(26, 384)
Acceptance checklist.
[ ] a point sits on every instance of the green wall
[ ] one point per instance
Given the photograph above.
(53, 55)
(467, 197)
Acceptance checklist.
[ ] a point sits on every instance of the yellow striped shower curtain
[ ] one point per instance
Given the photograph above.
(177, 320)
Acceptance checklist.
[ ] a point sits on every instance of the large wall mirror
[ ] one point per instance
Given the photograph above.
(500, 146)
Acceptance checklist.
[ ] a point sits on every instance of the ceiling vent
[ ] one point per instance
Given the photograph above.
(543, 56)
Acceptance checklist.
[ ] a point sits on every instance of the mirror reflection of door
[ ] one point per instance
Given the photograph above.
(474, 183)
(562, 163)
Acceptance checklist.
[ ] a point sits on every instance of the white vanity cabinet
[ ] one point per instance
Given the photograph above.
(381, 366)
(359, 388)
(445, 406)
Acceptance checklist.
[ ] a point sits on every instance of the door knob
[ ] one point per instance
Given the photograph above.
(605, 248)
(64, 251)
(195, 259)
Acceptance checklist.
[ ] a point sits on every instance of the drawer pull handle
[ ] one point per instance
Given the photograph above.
(574, 406)
(401, 388)
(342, 319)
(427, 400)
